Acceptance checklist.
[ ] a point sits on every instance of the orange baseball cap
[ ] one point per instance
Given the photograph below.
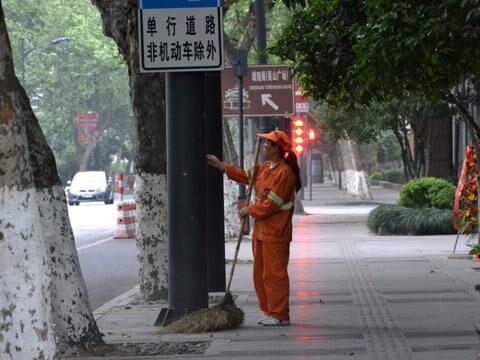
(279, 138)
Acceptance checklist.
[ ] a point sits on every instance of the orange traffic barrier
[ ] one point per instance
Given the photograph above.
(125, 220)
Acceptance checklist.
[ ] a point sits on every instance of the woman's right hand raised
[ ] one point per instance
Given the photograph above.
(212, 160)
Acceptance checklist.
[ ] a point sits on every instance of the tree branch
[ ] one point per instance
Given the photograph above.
(465, 113)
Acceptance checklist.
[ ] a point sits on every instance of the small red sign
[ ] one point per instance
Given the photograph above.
(87, 127)
(301, 102)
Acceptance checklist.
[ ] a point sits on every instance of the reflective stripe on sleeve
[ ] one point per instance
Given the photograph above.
(277, 200)
(287, 206)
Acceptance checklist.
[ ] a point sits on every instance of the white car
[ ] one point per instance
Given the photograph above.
(90, 186)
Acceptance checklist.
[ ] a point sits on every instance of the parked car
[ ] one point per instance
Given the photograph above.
(90, 186)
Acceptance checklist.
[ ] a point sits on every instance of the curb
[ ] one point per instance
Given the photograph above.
(386, 185)
(121, 300)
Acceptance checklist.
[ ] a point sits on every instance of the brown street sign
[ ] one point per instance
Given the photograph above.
(268, 91)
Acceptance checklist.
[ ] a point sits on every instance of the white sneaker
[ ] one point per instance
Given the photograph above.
(270, 321)
(261, 319)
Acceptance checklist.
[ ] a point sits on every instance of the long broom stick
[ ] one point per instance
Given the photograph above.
(228, 299)
(225, 315)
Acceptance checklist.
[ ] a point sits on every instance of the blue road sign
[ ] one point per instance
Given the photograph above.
(170, 4)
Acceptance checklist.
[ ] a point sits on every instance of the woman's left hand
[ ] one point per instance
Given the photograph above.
(243, 212)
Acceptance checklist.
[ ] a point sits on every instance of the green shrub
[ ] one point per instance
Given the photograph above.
(444, 198)
(427, 192)
(475, 250)
(376, 176)
(399, 220)
(394, 175)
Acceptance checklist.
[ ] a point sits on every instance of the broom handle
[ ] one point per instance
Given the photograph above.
(244, 219)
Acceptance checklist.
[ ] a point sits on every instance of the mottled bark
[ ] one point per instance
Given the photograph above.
(151, 200)
(147, 93)
(43, 300)
(230, 199)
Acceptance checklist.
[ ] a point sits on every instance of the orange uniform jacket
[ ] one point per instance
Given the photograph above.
(274, 200)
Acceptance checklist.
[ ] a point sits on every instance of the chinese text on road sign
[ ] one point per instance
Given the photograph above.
(268, 91)
(180, 35)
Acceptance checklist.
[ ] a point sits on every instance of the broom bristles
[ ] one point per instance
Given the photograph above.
(216, 318)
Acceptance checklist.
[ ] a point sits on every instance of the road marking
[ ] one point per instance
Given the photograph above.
(94, 244)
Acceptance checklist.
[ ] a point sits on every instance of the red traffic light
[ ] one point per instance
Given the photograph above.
(298, 149)
(298, 134)
(311, 135)
(298, 122)
(298, 131)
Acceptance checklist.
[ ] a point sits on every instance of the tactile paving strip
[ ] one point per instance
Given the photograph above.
(383, 338)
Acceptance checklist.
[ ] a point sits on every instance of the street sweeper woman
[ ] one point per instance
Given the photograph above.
(275, 183)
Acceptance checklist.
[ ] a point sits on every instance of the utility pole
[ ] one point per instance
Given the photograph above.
(22, 61)
(187, 200)
(240, 70)
(265, 126)
(215, 214)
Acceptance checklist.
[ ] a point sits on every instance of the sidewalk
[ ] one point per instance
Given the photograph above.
(354, 295)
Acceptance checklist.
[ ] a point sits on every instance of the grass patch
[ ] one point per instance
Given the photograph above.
(400, 220)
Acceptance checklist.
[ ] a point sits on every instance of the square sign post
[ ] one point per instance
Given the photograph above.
(184, 38)
(180, 35)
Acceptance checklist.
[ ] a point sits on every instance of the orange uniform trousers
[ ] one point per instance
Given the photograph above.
(270, 277)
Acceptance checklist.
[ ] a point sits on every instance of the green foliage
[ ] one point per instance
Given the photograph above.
(376, 176)
(399, 220)
(239, 26)
(427, 192)
(64, 79)
(444, 198)
(394, 175)
(359, 51)
(388, 148)
(359, 123)
(475, 250)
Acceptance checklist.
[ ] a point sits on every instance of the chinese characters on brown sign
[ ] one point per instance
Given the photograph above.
(268, 91)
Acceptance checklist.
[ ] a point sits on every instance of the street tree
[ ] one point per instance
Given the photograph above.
(362, 51)
(68, 67)
(411, 121)
(43, 298)
(147, 98)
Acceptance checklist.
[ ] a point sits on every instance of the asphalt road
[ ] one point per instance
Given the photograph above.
(109, 266)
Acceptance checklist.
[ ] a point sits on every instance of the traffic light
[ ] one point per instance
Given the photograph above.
(298, 134)
(312, 135)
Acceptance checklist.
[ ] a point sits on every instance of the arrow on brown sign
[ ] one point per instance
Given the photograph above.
(267, 99)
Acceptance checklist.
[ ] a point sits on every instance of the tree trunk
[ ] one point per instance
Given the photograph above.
(356, 180)
(147, 93)
(87, 154)
(404, 146)
(43, 298)
(229, 152)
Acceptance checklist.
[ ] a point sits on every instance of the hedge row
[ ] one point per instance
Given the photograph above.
(400, 220)
(392, 175)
